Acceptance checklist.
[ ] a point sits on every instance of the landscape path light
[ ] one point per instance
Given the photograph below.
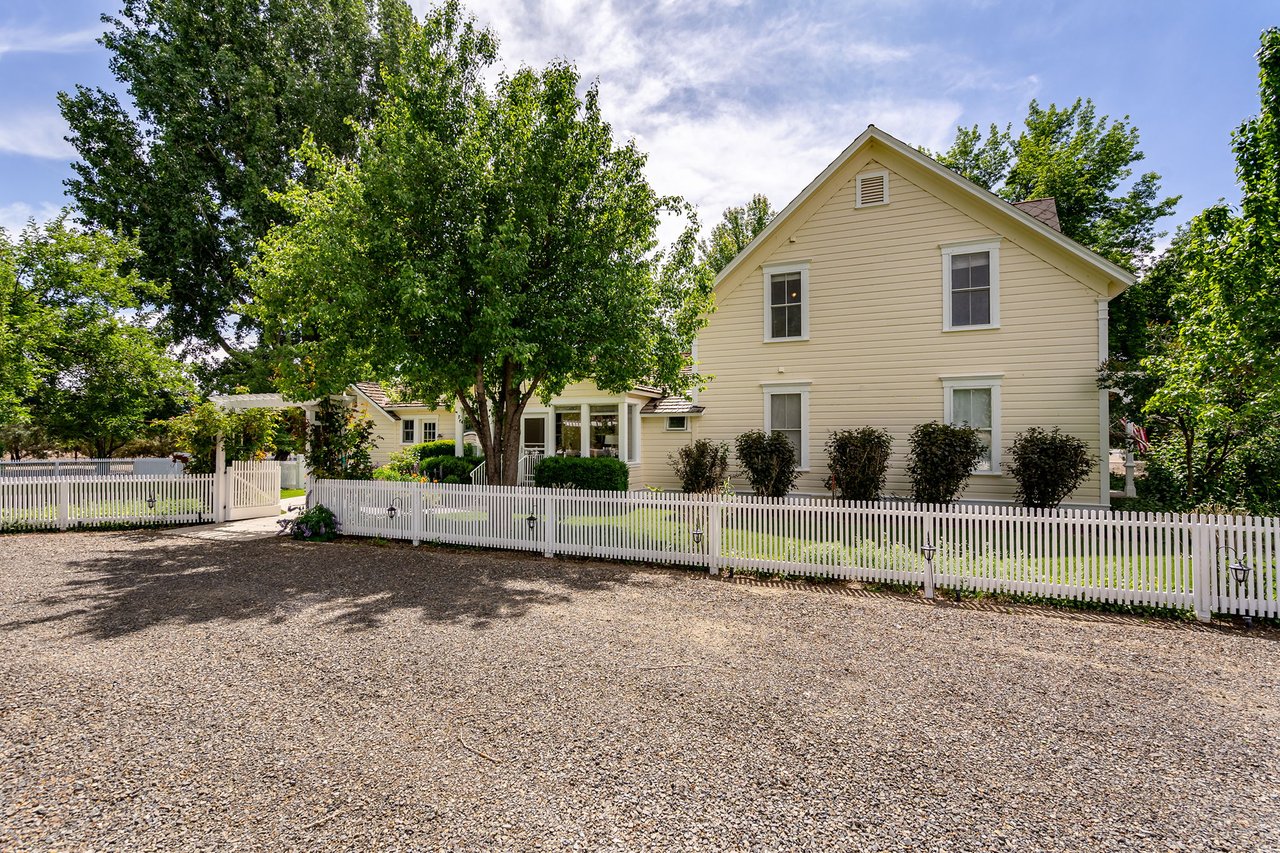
(927, 550)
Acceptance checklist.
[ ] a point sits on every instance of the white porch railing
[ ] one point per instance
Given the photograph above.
(528, 462)
(1153, 560)
(478, 475)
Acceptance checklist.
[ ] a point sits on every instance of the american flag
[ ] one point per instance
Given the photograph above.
(1136, 434)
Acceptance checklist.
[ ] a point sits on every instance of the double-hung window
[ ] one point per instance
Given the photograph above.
(786, 411)
(974, 401)
(408, 431)
(971, 286)
(786, 303)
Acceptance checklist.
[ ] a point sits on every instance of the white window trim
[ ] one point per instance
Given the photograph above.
(857, 187)
(949, 249)
(963, 383)
(631, 433)
(769, 271)
(421, 429)
(410, 422)
(670, 428)
(801, 388)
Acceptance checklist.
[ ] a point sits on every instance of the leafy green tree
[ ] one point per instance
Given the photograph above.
(71, 364)
(220, 93)
(111, 380)
(1085, 163)
(247, 434)
(736, 228)
(1215, 376)
(487, 247)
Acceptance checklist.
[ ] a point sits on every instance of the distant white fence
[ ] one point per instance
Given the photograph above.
(146, 467)
(31, 503)
(1154, 560)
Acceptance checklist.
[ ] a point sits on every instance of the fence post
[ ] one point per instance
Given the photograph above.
(419, 513)
(549, 526)
(64, 504)
(1202, 569)
(713, 535)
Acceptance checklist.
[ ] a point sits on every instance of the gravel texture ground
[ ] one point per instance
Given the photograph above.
(160, 693)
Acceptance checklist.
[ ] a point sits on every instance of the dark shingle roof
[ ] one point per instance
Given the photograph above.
(1044, 209)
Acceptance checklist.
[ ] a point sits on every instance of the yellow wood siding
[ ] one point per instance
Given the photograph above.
(387, 432)
(657, 445)
(877, 353)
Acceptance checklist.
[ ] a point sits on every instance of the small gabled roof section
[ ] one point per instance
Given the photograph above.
(672, 405)
(1117, 277)
(1044, 209)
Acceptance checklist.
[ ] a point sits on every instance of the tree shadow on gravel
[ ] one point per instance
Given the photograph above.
(143, 580)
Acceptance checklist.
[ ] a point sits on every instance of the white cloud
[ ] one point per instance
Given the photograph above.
(35, 40)
(36, 135)
(730, 98)
(14, 217)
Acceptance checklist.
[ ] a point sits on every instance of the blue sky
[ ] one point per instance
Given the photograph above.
(732, 97)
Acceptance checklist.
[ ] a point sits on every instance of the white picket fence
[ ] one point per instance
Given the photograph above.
(1155, 560)
(31, 503)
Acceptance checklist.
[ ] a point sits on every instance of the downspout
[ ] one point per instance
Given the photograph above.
(1104, 405)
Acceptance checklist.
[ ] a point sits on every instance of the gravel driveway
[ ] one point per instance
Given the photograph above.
(166, 693)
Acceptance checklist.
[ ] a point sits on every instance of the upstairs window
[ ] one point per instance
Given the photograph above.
(971, 286)
(786, 295)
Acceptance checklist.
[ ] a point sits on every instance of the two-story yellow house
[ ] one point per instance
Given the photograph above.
(892, 292)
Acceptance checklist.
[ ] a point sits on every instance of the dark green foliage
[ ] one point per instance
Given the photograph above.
(339, 443)
(769, 462)
(1049, 465)
(219, 95)
(430, 461)
(601, 473)
(702, 466)
(858, 460)
(942, 458)
(317, 524)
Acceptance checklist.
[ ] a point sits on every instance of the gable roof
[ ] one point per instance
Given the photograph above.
(1120, 276)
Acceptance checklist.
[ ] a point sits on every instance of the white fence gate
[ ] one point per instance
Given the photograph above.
(252, 490)
(1224, 564)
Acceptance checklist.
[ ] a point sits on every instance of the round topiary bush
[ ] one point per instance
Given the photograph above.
(858, 460)
(1049, 465)
(942, 458)
(701, 466)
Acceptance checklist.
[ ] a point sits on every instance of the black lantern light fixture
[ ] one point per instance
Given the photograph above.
(532, 521)
(151, 501)
(1240, 570)
(927, 550)
(393, 510)
(697, 536)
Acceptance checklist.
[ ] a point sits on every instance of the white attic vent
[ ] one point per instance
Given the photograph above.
(873, 188)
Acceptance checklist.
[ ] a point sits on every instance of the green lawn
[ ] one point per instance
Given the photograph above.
(292, 493)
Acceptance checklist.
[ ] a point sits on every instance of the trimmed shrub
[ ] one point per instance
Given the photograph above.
(942, 458)
(858, 460)
(768, 461)
(317, 524)
(432, 468)
(702, 466)
(602, 473)
(1048, 465)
